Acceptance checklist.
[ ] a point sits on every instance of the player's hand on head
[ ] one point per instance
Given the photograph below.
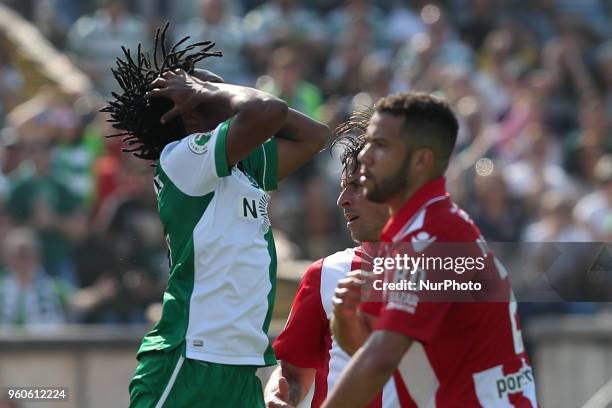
(280, 397)
(206, 75)
(183, 89)
(347, 295)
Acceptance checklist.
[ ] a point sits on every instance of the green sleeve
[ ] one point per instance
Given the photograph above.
(221, 165)
(262, 164)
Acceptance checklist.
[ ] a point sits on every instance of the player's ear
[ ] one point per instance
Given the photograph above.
(423, 160)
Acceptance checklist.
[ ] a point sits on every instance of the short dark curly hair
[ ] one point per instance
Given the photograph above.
(428, 119)
(135, 115)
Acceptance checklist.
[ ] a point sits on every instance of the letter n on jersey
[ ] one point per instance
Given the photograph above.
(249, 208)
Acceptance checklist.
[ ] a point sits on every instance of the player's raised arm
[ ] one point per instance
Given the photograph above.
(300, 138)
(257, 115)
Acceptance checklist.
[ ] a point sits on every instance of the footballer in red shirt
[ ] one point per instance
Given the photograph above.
(307, 351)
(469, 349)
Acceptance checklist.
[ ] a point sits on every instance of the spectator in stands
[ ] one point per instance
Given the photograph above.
(591, 140)
(570, 57)
(281, 22)
(28, 294)
(72, 158)
(421, 58)
(40, 200)
(604, 66)
(475, 19)
(499, 217)
(402, 24)
(10, 159)
(556, 223)
(216, 22)
(96, 40)
(375, 77)
(352, 12)
(286, 80)
(342, 68)
(597, 206)
(537, 171)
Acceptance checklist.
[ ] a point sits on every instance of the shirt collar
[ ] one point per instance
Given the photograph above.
(432, 189)
(366, 250)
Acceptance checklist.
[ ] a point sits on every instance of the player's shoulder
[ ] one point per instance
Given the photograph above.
(194, 143)
(332, 267)
(339, 262)
(340, 257)
(445, 221)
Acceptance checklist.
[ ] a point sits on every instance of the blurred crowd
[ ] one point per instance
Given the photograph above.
(531, 81)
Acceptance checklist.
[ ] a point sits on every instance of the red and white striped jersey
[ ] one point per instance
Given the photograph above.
(307, 341)
(466, 354)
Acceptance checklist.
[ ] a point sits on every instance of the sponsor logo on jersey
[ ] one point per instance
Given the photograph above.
(256, 209)
(515, 382)
(198, 143)
(404, 301)
(421, 241)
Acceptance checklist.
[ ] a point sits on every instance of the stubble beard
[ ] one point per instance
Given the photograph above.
(384, 189)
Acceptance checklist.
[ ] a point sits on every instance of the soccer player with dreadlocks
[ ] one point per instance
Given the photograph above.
(215, 162)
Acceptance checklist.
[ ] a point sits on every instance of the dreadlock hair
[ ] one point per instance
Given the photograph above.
(135, 115)
(350, 136)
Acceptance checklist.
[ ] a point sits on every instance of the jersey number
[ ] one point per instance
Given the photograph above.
(517, 336)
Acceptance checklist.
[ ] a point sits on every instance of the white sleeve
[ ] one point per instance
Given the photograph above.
(196, 162)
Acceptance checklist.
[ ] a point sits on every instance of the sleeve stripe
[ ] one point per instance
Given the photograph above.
(221, 165)
(265, 174)
(271, 169)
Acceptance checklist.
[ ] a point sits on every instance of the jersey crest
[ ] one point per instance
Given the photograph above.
(198, 143)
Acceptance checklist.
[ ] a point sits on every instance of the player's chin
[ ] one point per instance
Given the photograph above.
(355, 231)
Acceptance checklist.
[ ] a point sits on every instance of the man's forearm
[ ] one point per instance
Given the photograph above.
(298, 379)
(295, 395)
(297, 392)
(299, 127)
(350, 333)
(231, 99)
(299, 139)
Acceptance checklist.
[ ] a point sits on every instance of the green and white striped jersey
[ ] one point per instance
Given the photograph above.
(221, 287)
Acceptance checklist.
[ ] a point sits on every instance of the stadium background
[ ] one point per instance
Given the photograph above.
(530, 80)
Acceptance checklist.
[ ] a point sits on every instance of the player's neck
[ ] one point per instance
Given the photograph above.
(369, 248)
(399, 200)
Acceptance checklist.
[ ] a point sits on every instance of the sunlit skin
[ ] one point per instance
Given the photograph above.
(364, 219)
(390, 171)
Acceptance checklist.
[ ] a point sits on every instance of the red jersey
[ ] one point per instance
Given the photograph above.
(307, 341)
(466, 354)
